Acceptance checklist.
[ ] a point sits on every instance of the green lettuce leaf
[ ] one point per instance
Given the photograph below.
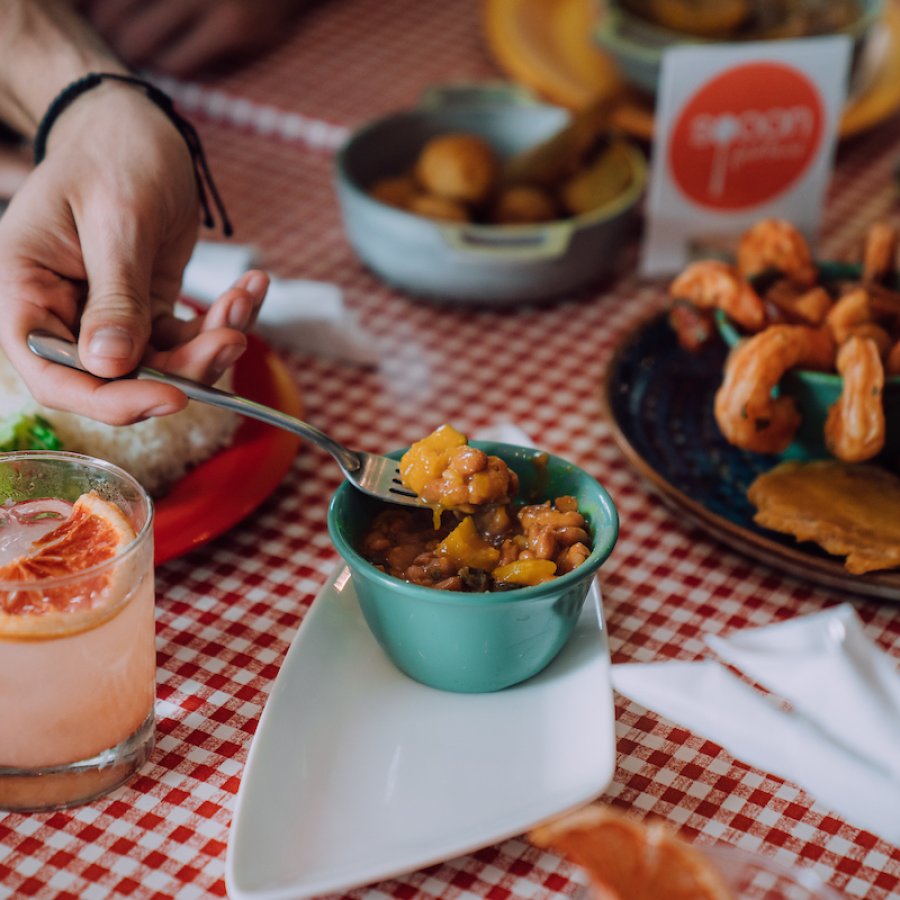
(27, 431)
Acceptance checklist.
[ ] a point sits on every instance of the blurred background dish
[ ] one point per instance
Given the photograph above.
(636, 33)
(658, 401)
(411, 218)
(548, 45)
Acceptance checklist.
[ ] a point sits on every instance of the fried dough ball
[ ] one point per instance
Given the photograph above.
(433, 206)
(397, 191)
(458, 166)
(523, 204)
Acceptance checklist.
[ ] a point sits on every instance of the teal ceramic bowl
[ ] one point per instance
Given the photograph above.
(816, 392)
(465, 263)
(637, 45)
(467, 642)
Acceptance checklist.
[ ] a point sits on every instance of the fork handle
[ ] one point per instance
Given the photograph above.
(58, 350)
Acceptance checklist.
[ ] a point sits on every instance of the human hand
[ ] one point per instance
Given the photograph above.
(94, 244)
(182, 37)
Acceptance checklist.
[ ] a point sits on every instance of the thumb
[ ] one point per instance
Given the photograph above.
(115, 325)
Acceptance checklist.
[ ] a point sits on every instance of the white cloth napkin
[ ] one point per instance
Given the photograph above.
(838, 735)
(307, 316)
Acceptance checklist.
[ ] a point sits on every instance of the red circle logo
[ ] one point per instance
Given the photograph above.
(746, 136)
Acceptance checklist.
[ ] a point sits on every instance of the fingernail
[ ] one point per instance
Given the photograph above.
(240, 313)
(111, 342)
(226, 357)
(164, 409)
(256, 283)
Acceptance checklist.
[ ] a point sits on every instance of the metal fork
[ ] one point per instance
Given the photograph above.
(372, 474)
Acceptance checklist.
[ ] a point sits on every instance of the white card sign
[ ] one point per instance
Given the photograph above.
(742, 132)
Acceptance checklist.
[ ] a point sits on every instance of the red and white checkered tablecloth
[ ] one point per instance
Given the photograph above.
(227, 612)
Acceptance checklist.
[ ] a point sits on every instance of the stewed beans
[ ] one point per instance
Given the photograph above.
(497, 548)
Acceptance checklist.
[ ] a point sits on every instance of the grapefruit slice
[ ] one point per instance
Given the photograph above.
(95, 532)
(630, 860)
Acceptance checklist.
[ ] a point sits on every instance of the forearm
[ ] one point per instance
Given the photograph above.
(44, 45)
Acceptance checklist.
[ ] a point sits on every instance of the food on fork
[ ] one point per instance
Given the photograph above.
(790, 321)
(849, 510)
(475, 538)
(630, 860)
(445, 471)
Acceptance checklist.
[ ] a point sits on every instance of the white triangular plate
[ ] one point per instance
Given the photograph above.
(358, 773)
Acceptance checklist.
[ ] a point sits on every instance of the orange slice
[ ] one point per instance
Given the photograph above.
(95, 532)
(630, 860)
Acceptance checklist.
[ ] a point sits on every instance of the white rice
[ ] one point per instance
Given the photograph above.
(157, 452)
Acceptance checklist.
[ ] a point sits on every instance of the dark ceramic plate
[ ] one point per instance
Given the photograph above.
(659, 400)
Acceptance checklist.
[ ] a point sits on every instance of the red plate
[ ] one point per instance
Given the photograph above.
(222, 491)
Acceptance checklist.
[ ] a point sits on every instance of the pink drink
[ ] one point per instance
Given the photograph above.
(77, 654)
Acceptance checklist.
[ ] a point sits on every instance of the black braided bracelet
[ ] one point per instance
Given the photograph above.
(201, 168)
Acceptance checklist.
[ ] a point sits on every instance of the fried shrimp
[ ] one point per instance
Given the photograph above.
(892, 362)
(849, 312)
(876, 333)
(745, 410)
(880, 252)
(805, 306)
(711, 284)
(839, 320)
(855, 427)
(776, 244)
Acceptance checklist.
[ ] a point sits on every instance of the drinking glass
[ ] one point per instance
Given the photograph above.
(77, 650)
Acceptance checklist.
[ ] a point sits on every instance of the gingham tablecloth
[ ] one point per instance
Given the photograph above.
(227, 612)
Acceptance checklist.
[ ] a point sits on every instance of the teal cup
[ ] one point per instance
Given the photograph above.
(477, 642)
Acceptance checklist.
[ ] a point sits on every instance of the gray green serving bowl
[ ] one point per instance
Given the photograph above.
(468, 642)
(816, 392)
(471, 263)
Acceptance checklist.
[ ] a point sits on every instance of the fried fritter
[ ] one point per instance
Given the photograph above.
(849, 510)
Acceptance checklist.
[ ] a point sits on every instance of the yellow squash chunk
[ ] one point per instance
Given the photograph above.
(525, 571)
(466, 547)
(426, 459)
